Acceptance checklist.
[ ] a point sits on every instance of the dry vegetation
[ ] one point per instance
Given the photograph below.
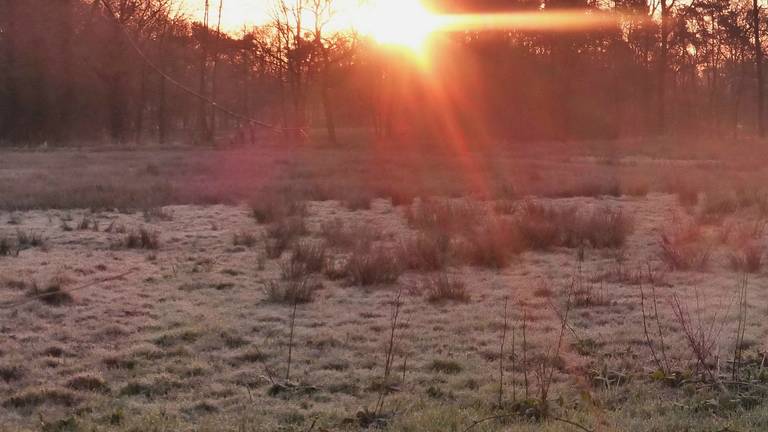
(309, 304)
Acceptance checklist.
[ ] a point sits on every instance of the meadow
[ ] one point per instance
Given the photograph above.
(615, 287)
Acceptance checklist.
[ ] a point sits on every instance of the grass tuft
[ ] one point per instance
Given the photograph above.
(444, 287)
(54, 292)
(290, 292)
(142, 238)
(372, 267)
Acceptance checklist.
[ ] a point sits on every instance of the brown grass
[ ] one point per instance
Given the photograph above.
(442, 287)
(282, 234)
(685, 248)
(272, 206)
(143, 238)
(311, 254)
(427, 251)
(53, 292)
(294, 291)
(373, 266)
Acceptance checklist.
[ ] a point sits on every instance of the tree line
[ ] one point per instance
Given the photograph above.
(141, 71)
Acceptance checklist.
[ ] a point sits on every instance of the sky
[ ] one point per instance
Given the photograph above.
(237, 13)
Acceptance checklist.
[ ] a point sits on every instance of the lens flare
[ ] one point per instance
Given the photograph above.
(403, 23)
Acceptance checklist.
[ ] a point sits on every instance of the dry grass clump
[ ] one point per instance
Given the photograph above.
(34, 397)
(87, 223)
(358, 199)
(11, 372)
(311, 254)
(748, 258)
(8, 247)
(505, 206)
(685, 248)
(606, 228)
(450, 367)
(150, 387)
(716, 205)
(282, 234)
(23, 240)
(88, 382)
(290, 291)
(542, 227)
(272, 207)
(373, 266)
(26, 240)
(428, 251)
(444, 287)
(244, 238)
(491, 244)
(142, 238)
(54, 292)
(292, 270)
(156, 214)
(687, 193)
(337, 235)
(635, 188)
(445, 216)
(398, 194)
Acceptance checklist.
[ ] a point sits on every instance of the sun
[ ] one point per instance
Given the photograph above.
(403, 23)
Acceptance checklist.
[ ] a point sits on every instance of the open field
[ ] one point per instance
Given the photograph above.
(304, 288)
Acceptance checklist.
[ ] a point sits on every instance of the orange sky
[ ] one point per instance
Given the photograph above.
(237, 13)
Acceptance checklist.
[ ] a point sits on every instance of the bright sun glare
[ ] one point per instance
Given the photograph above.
(404, 23)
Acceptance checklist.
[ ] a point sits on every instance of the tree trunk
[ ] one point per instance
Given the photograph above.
(661, 88)
(66, 94)
(9, 106)
(215, 72)
(758, 68)
(330, 122)
(141, 103)
(162, 126)
(202, 114)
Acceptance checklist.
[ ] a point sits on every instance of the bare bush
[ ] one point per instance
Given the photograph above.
(701, 335)
(444, 287)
